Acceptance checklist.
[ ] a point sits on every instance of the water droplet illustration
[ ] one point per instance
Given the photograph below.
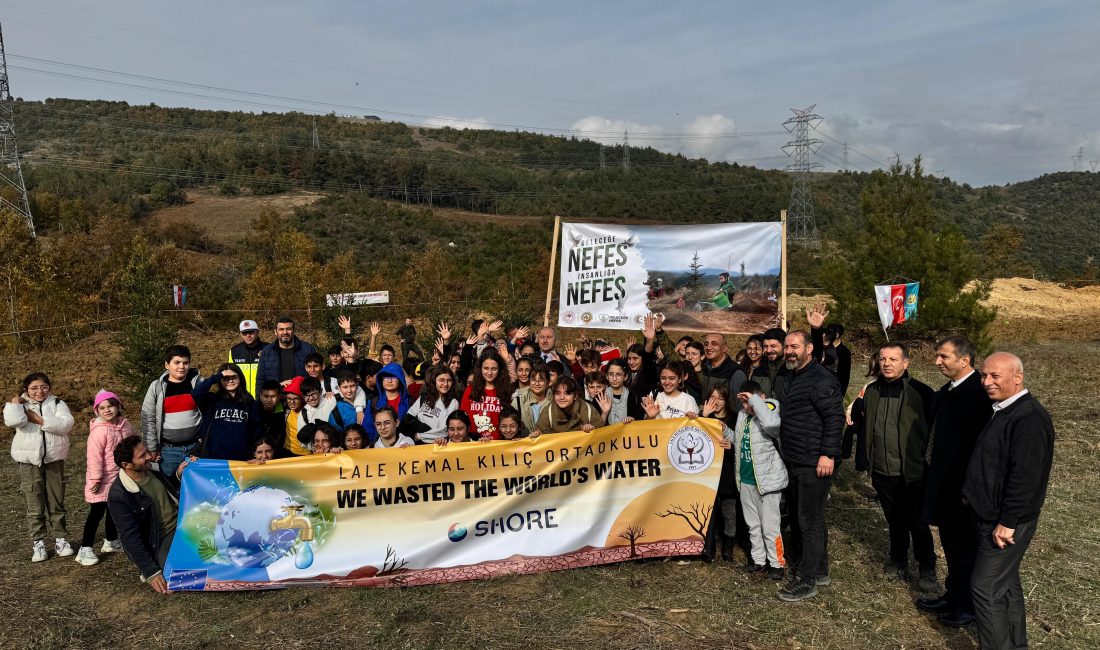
(303, 557)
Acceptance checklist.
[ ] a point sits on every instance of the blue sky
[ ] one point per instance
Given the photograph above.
(988, 92)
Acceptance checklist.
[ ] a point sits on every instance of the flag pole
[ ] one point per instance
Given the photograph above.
(550, 279)
(783, 271)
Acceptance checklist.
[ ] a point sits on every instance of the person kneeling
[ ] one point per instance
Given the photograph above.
(143, 505)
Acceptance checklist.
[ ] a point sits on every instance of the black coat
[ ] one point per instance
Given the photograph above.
(138, 522)
(813, 415)
(960, 415)
(1006, 482)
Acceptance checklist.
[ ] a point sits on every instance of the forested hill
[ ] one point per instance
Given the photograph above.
(141, 156)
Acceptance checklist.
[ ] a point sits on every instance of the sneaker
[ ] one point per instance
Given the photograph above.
(928, 582)
(752, 568)
(111, 547)
(823, 581)
(62, 548)
(895, 571)
(86, 556)
(775, 573)
(800, 591)
(40, 553)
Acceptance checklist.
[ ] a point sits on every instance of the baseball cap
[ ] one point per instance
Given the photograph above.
(249, 326)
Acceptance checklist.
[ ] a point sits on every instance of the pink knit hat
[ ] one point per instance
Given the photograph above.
(103, 396)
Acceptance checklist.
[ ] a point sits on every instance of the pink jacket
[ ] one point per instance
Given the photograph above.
(102, 440)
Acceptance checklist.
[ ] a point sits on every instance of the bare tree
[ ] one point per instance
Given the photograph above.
(696, 516)
(632, 534)
(392, 562)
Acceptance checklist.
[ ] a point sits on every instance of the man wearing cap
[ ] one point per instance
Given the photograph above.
(246, 354)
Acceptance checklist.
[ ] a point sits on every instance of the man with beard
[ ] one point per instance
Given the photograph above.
(962, 410)
(774, 370)
(810, 435)
(285, 358)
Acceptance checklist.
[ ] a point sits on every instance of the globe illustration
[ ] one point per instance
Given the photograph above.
(456, 533)
(243, 534)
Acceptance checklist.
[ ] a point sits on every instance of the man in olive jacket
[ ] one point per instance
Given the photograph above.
(896, 412)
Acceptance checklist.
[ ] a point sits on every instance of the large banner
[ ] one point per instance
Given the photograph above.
(428, 514)
(713, 278)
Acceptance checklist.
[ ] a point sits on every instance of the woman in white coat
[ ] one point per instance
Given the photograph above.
(41, 443)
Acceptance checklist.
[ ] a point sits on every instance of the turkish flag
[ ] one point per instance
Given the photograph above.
(897, 302)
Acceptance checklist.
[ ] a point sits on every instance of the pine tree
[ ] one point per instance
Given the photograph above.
(148, 333)
(695, 278)
(902, 235)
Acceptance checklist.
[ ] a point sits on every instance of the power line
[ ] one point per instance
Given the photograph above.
(1077, 158)
(800, 214)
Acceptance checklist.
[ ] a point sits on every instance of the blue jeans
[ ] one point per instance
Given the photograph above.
(171, 457)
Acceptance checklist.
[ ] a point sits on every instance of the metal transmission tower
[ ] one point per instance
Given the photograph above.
(845, 156)
(1093, 164)
(316, 136)
(11, 173)
(603, 159)
(801, 227)
(626, 151)
(1077, 158)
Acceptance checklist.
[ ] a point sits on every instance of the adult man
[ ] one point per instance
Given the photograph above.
(810, 434)
(246, 354)
(407, 334)
(896, 412)
(170, 419)
(718, 367)
(775, 369)
(143, 505)
(962, 411)
(285, 358)
(831, 351)
(1006, 484)
(547, 340)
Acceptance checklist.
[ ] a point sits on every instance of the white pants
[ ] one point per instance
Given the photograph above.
(762, 517)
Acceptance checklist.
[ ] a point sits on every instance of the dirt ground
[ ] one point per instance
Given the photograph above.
(229, 218)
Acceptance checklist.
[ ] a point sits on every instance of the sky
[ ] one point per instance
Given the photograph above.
(988, 92)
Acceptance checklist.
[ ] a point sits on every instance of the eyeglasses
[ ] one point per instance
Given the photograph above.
(311, 394)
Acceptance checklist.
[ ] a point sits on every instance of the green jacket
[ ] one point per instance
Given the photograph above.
(916, 410)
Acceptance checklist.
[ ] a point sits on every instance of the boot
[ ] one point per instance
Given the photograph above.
(727, 548)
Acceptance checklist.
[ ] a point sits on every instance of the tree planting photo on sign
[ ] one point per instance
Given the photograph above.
(710, 278)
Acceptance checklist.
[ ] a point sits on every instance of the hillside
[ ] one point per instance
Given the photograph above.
(150, 153)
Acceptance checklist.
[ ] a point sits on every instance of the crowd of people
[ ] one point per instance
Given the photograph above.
(972, 458)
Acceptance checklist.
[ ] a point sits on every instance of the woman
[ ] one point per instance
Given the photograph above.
(486, 394)
(230, 416)
(41, 444)
(426, 420)
(566, 412)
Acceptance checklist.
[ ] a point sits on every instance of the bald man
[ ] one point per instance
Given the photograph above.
(547, 340)
(1006, 484)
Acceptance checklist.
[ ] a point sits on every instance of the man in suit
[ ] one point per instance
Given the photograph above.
(1006, 484)
(962, 411)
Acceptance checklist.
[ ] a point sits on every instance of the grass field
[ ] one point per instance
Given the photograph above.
(667, 604)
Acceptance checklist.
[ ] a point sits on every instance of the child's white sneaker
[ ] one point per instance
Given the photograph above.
(40, 554)
(86, 556)
(111, 547)
(62, 548)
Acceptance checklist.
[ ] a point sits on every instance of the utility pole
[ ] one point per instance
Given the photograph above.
(11, 172)
(1077, 158)
(801, 227)
(626, 151)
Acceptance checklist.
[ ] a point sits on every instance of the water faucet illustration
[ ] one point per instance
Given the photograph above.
(294, 520)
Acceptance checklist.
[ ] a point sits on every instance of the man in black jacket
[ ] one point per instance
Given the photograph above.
(143, 505)
(810, 433)
(896, 412)
(831, 351)
(962, 411)
(775, 370)
(718, 368)
(1006, 484)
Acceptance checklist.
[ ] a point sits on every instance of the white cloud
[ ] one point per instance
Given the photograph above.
(706, 136)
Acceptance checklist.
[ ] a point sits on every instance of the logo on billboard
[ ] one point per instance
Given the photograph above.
(586, 317)
(690, 450)
(569, 316)
(456, 533)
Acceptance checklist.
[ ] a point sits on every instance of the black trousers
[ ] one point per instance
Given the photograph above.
(96, 513)
(995, 586)
(808, 542)
(407, 348)
(901, 505)
(960, 544)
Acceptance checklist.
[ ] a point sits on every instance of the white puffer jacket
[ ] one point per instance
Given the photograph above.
(35, 444)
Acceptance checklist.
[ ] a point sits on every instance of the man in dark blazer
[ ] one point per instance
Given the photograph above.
(962, 410)
(1006, 484)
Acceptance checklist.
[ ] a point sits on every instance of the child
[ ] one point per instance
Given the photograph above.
(345, 411)
(272, 417)
(487, 393)
(672, 402)
(230, 416)
(41, 443)
(426, 419)
(335, 365)
(721, 406)
(511, 425)
(556, 369)
(385, 423)
(386, 355)
(391, 392)
(458, 429)
(523, 372)
(315, 368)
(263, 450)
(319, 437)
(761, 474)
(105, 431)
(355, 437)
(530, 401)
(583, 362)
(567, 412)
(618, 403)
(294, 419)
(595, 386)
(414, 376)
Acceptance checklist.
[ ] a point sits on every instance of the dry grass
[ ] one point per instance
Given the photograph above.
(633, 605)
(229, 218)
